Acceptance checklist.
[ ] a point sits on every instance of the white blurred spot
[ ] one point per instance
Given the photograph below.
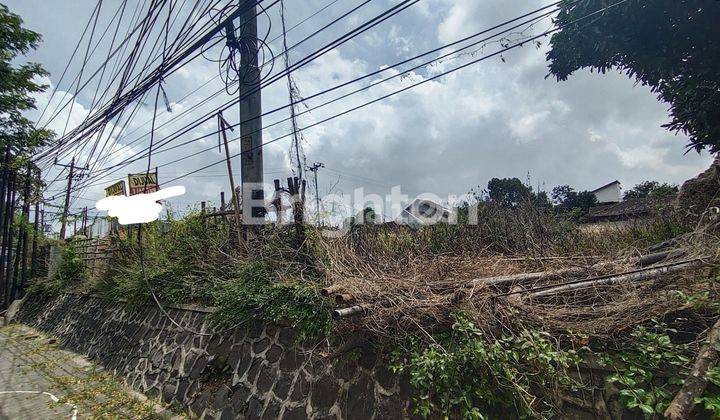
(140, 208)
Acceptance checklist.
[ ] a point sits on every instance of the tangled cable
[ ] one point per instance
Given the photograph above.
(241, 52)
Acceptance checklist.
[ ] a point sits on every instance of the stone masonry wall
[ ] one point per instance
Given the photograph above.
(255, 373)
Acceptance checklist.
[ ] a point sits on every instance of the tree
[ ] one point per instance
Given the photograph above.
(508, 192)
(567, 199)
(17, 84)
(561, 194)
(541, 199)
(368, 216)
(651, 189)
(669, 45)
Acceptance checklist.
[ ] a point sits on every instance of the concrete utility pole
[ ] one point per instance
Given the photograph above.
(314, 170)
(251, 159)
(67, 196)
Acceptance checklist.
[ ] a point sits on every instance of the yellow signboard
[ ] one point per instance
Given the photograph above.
(143, 183)
(117, 188)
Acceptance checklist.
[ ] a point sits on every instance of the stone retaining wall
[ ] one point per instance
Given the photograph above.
(256, 373)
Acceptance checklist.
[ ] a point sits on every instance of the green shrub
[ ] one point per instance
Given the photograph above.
(638, 363)
(646, 352)
(69, 271)
(182, 262)
(466, 374)
(254, 297)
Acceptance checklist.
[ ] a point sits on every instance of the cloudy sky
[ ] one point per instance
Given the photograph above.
(498, 118)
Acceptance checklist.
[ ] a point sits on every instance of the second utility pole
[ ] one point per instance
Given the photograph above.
(222, 127)
(314, 170)
(67, 196)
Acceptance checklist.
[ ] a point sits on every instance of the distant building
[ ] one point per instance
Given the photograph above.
(423, 212)
(631, 209)
(609, 193)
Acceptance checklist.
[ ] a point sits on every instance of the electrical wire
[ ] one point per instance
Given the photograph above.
(370, 75)
(341, 40)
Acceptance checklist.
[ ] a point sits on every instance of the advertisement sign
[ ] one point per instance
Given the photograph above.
(143, 183)
(117, 188)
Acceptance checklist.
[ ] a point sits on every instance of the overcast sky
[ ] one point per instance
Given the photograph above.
(493, 119)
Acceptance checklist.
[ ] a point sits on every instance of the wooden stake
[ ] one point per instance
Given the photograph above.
(235, 199)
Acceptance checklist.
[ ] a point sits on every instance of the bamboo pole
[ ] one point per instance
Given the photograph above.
(643, 261)
(327, 291)
(347, 312)
(620, 278)
(540, 275)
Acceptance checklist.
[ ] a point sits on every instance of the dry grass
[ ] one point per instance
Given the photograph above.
(411, 282)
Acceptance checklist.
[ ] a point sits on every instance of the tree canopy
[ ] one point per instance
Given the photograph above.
(17, 84)
(566, 198)
(672, 46)
(651, 189)
(508, 191)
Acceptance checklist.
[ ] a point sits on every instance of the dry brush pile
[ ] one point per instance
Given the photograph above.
(526, 263)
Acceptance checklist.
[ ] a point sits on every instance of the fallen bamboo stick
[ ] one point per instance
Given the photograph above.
(695, 383)
(347, 312)
(656, 257)
(636, 275)
(549, 275)
(327, 291)
(539, 275)
(344, 298)
(569, 257)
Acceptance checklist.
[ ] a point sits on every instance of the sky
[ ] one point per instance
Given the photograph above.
(501, 117)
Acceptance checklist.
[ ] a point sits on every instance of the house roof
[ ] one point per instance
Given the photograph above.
(606, 185)
(629, 208)
(419, 201)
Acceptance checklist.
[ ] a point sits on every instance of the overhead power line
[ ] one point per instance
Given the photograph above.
(399, 74)
(424, 81)
(339, 41)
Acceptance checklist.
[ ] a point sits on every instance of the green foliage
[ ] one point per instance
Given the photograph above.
(192, 260)
(255, 296)
(70, 270)
(576, 203)
(643, 355)
(508, 192)
(368, 215)
(669, 45)
(183, 260)
(700, 301)
(650, 367)
(17, 85)
(711, 401)
(652, 189)
(466, 374)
